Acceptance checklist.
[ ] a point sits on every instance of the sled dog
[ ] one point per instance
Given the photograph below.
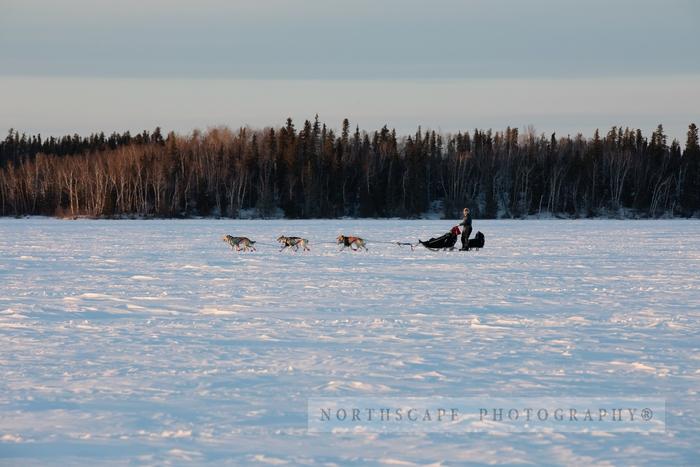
(293, 243)
(239, 243)
(354, 243)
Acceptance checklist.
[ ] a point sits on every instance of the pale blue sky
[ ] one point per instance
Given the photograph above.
(130, 64)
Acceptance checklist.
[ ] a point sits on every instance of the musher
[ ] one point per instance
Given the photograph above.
(466, 229)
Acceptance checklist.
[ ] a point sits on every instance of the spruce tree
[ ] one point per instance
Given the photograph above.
(690, 194)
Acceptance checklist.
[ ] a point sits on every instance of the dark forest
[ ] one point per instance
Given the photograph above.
(315, 172)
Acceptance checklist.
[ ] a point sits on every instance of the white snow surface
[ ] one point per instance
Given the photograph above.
(150, 341)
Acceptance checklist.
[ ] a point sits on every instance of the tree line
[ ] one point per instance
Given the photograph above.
(314, 172)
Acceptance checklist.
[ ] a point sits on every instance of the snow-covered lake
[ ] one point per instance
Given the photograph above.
(152, 342)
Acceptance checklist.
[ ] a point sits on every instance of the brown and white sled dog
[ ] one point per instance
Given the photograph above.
(293, 243)
(354, 243)
(239, 243)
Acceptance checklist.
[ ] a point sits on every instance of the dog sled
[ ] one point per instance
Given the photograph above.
(448, 240)
(443, 242)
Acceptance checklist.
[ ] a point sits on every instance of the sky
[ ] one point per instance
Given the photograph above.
(564, 66)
